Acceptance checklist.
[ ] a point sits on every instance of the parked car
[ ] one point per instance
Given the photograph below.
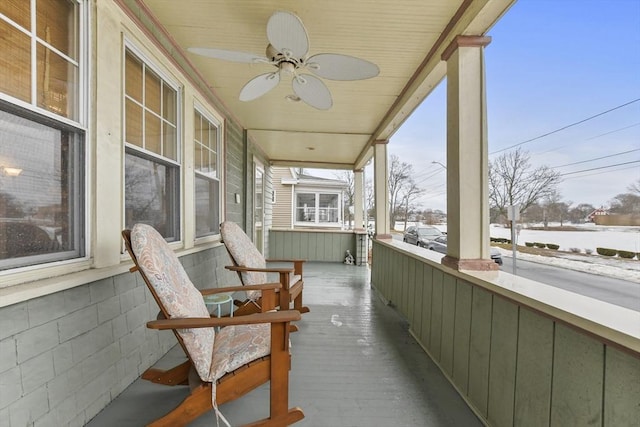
(439, 244)
(420, 235)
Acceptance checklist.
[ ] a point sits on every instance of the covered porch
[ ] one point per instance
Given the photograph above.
(354, 363)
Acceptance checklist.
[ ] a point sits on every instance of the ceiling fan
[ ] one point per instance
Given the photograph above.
(288, 51)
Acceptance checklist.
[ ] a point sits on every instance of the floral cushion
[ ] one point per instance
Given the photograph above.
(245, 254)
(238, 345)
(176, 292)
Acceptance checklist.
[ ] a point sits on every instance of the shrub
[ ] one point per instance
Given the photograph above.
(540, 245)
(575, 250)
(588, 251)
(528, 244)
(606, 251)
(553, 246)
(626, 254)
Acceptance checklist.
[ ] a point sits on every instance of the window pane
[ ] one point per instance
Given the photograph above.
(169, 149)
(328, 210)
(152, 91)
(207, 202)
(133, 77)
(40, 202)
(197, 157)
(15, 62)
(56, 80)
(197, 127)
(56, 24)
(133, 123)
(169, 98)
(306, 207)
(18, 11)
(151, 195)
(213, 163)
(152, 135)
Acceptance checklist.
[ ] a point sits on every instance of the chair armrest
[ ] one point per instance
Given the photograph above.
(262, 287)
(297, 264)
(262, 270)
(285, 260)
(210, 322)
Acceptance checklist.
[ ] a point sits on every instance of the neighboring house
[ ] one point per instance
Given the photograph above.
(303, 201)
(600, 211)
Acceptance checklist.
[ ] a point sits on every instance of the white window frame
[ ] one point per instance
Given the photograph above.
(317, 193)
(219, 176)
(16, 276)
(178, 163)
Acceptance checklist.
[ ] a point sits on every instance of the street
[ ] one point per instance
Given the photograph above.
(615, 291)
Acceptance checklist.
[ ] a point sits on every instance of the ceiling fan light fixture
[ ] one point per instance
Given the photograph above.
(292, 98)
(287, 68)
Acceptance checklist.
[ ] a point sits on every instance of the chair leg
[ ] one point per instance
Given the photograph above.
(196, 404)
(178, 375)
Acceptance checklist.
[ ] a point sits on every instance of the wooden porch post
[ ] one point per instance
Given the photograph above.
(359, 219)
(381, 192)
(467, 156)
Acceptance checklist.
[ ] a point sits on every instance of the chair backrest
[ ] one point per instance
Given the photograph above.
(243, 253)
(174, 292)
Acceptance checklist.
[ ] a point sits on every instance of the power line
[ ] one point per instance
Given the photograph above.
(600, 173)
(597, 158)
(601, 167)
(566, 127)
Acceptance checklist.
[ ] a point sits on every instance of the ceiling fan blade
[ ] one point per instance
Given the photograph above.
(334, 66)
(228, 55)
(285, 31)
(313, 91)
(258, 86)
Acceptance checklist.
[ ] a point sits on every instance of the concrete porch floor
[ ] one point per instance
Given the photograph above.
(353, 364)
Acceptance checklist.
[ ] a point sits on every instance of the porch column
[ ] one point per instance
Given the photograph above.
(359, 217)
(467, 156)
(381, 189)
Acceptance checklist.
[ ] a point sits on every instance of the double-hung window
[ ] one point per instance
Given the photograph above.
(152, 163)
(317, 208)
(207, 174)
(42, 131)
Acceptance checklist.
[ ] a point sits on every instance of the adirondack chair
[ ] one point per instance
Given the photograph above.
(252, 269)
(222, 366)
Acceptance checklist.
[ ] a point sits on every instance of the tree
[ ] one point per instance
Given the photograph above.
(512, 180)
(399, 175)
(635, 187)
(555, 209)
(579, 213)
(409, 192)
(626, 203)
(349, 195)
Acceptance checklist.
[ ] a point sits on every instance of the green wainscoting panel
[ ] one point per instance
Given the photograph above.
(534, 369)
(621, 389)
(404, 288)
(410, 294)
(436, 315)
(480, 349)
(329, 246)
(427, 304)
(448, 323)
(416, 311)
(502, 368)
(578, 377)
(462, 336)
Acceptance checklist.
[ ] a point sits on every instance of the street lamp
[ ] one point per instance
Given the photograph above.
(438, 163)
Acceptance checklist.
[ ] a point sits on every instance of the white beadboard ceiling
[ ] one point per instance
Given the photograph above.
(405, 38)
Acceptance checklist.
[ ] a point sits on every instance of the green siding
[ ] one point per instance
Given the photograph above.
(327, 246)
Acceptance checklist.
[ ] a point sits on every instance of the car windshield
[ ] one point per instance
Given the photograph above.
(429, 232)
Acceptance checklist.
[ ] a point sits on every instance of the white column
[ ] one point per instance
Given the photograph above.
(381, 189)
(359, 220)
(467, 156)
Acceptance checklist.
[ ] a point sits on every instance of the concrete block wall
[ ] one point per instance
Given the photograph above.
(65, 356)
(513, 365)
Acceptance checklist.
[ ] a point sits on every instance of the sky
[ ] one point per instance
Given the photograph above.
(551, 64)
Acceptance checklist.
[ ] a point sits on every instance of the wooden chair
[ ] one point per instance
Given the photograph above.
(252, 269)
(247, 352)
